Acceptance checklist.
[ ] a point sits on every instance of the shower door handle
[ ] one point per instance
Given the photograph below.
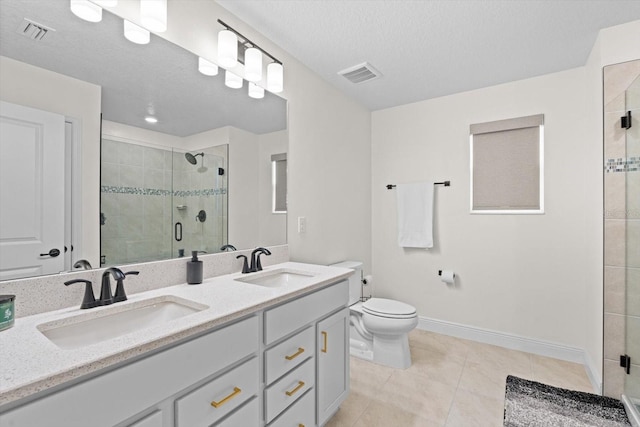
(52, 253)
(177, 231)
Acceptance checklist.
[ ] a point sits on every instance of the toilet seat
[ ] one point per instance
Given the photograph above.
(392, 309)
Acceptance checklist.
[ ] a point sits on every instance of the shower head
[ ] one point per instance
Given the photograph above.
(191, 158)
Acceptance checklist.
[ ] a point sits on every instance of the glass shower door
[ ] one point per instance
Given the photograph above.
(199, 200)
(632, 280)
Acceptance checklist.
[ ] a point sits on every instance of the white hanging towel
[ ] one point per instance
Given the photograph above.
(415, 215)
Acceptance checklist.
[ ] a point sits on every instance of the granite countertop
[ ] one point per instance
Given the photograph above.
(31, 363)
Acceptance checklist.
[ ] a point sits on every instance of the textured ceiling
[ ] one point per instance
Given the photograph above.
(430, 48)
(159, 77)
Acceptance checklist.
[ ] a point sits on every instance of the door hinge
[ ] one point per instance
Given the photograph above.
(625, 121)
(625, 362)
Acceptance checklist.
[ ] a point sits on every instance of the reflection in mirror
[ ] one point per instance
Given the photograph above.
(80, 70)
(159, 203)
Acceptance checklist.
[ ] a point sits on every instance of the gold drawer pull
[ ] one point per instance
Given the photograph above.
(236, 391)
(298, 387)
(300, 425)
(296, 354)
(324, 337)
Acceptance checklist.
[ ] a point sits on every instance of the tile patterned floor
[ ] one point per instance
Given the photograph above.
(451, 383)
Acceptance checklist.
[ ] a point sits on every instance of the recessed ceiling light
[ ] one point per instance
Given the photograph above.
(150, 119)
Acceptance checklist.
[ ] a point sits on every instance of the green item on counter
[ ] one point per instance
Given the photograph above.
(7, 312)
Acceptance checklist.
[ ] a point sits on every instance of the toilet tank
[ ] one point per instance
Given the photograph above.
(355, 280)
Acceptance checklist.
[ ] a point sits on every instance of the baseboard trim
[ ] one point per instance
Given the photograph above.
(515, 342)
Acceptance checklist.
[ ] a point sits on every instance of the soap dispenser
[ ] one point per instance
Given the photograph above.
(194, 269)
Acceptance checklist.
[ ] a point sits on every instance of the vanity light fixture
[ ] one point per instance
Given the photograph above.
(275, 77)
(207, 68)
(233, 81)
(136, 33)
(86, 10)
(253, 64)
(153, 15)
(255, 91)
(227, 48)
(251, 58)
(151, 119)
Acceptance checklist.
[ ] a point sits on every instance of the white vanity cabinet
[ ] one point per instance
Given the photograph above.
(310, 357)
(286, 365)
(118, 395)
(333, 363)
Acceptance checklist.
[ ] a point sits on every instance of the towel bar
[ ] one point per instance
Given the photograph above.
(445, 183)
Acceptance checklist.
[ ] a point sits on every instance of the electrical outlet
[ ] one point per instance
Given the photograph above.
(302, 224)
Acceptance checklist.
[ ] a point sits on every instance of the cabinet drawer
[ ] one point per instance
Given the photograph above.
(247, 416)
(151, 420)
(302, 413)
(227, 392)
(140, 384)
(288, 389)
(278, 323)
(288, 354)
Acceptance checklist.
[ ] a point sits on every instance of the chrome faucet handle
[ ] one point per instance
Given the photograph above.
(89, 301)
(120, 294)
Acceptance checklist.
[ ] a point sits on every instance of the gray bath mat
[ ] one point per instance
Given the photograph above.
(532, 404)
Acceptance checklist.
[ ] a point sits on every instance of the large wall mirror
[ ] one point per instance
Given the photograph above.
(127, 190)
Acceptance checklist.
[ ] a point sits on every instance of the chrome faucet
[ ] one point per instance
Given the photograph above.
(106, 297)
(229, 248)
(255, 259)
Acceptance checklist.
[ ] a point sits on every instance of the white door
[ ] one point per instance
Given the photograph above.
(32, 159)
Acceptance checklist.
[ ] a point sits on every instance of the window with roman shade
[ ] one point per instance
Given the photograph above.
(507, 166)
(279, 182)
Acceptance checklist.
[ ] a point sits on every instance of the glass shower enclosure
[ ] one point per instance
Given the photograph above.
(631, 396)
(158, 203)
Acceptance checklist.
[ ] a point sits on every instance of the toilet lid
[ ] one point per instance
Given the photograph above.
(388, 308)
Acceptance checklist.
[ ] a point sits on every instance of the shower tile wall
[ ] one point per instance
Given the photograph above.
(622, 225)
(136, 203)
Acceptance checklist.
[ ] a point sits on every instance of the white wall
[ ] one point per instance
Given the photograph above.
(329, 141)
(35, 87)
(517, 274)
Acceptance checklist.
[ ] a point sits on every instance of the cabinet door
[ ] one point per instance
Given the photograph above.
(333, 363)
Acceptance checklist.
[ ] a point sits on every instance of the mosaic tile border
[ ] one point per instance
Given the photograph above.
(632, 164)
(108, 189)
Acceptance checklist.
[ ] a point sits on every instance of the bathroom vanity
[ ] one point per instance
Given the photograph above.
(263, 349)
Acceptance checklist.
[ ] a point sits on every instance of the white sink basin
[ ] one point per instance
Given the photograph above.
(279, 277)
(117, 320)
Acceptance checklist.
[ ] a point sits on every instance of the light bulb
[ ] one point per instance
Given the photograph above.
(275, 77)
(207, 68)
(232, 80)
(150, 119)
(136, 33)
(253, 65)
(153, 15)
(255, 91)
(227, 49)
(86, 10)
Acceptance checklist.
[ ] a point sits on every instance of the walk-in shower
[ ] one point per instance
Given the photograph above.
(631, 127)
(154, 203)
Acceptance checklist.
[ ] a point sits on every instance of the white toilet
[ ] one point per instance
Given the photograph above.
(379, 327)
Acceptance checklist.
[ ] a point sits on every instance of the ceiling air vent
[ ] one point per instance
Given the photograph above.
(33, 30)
(360, 73)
